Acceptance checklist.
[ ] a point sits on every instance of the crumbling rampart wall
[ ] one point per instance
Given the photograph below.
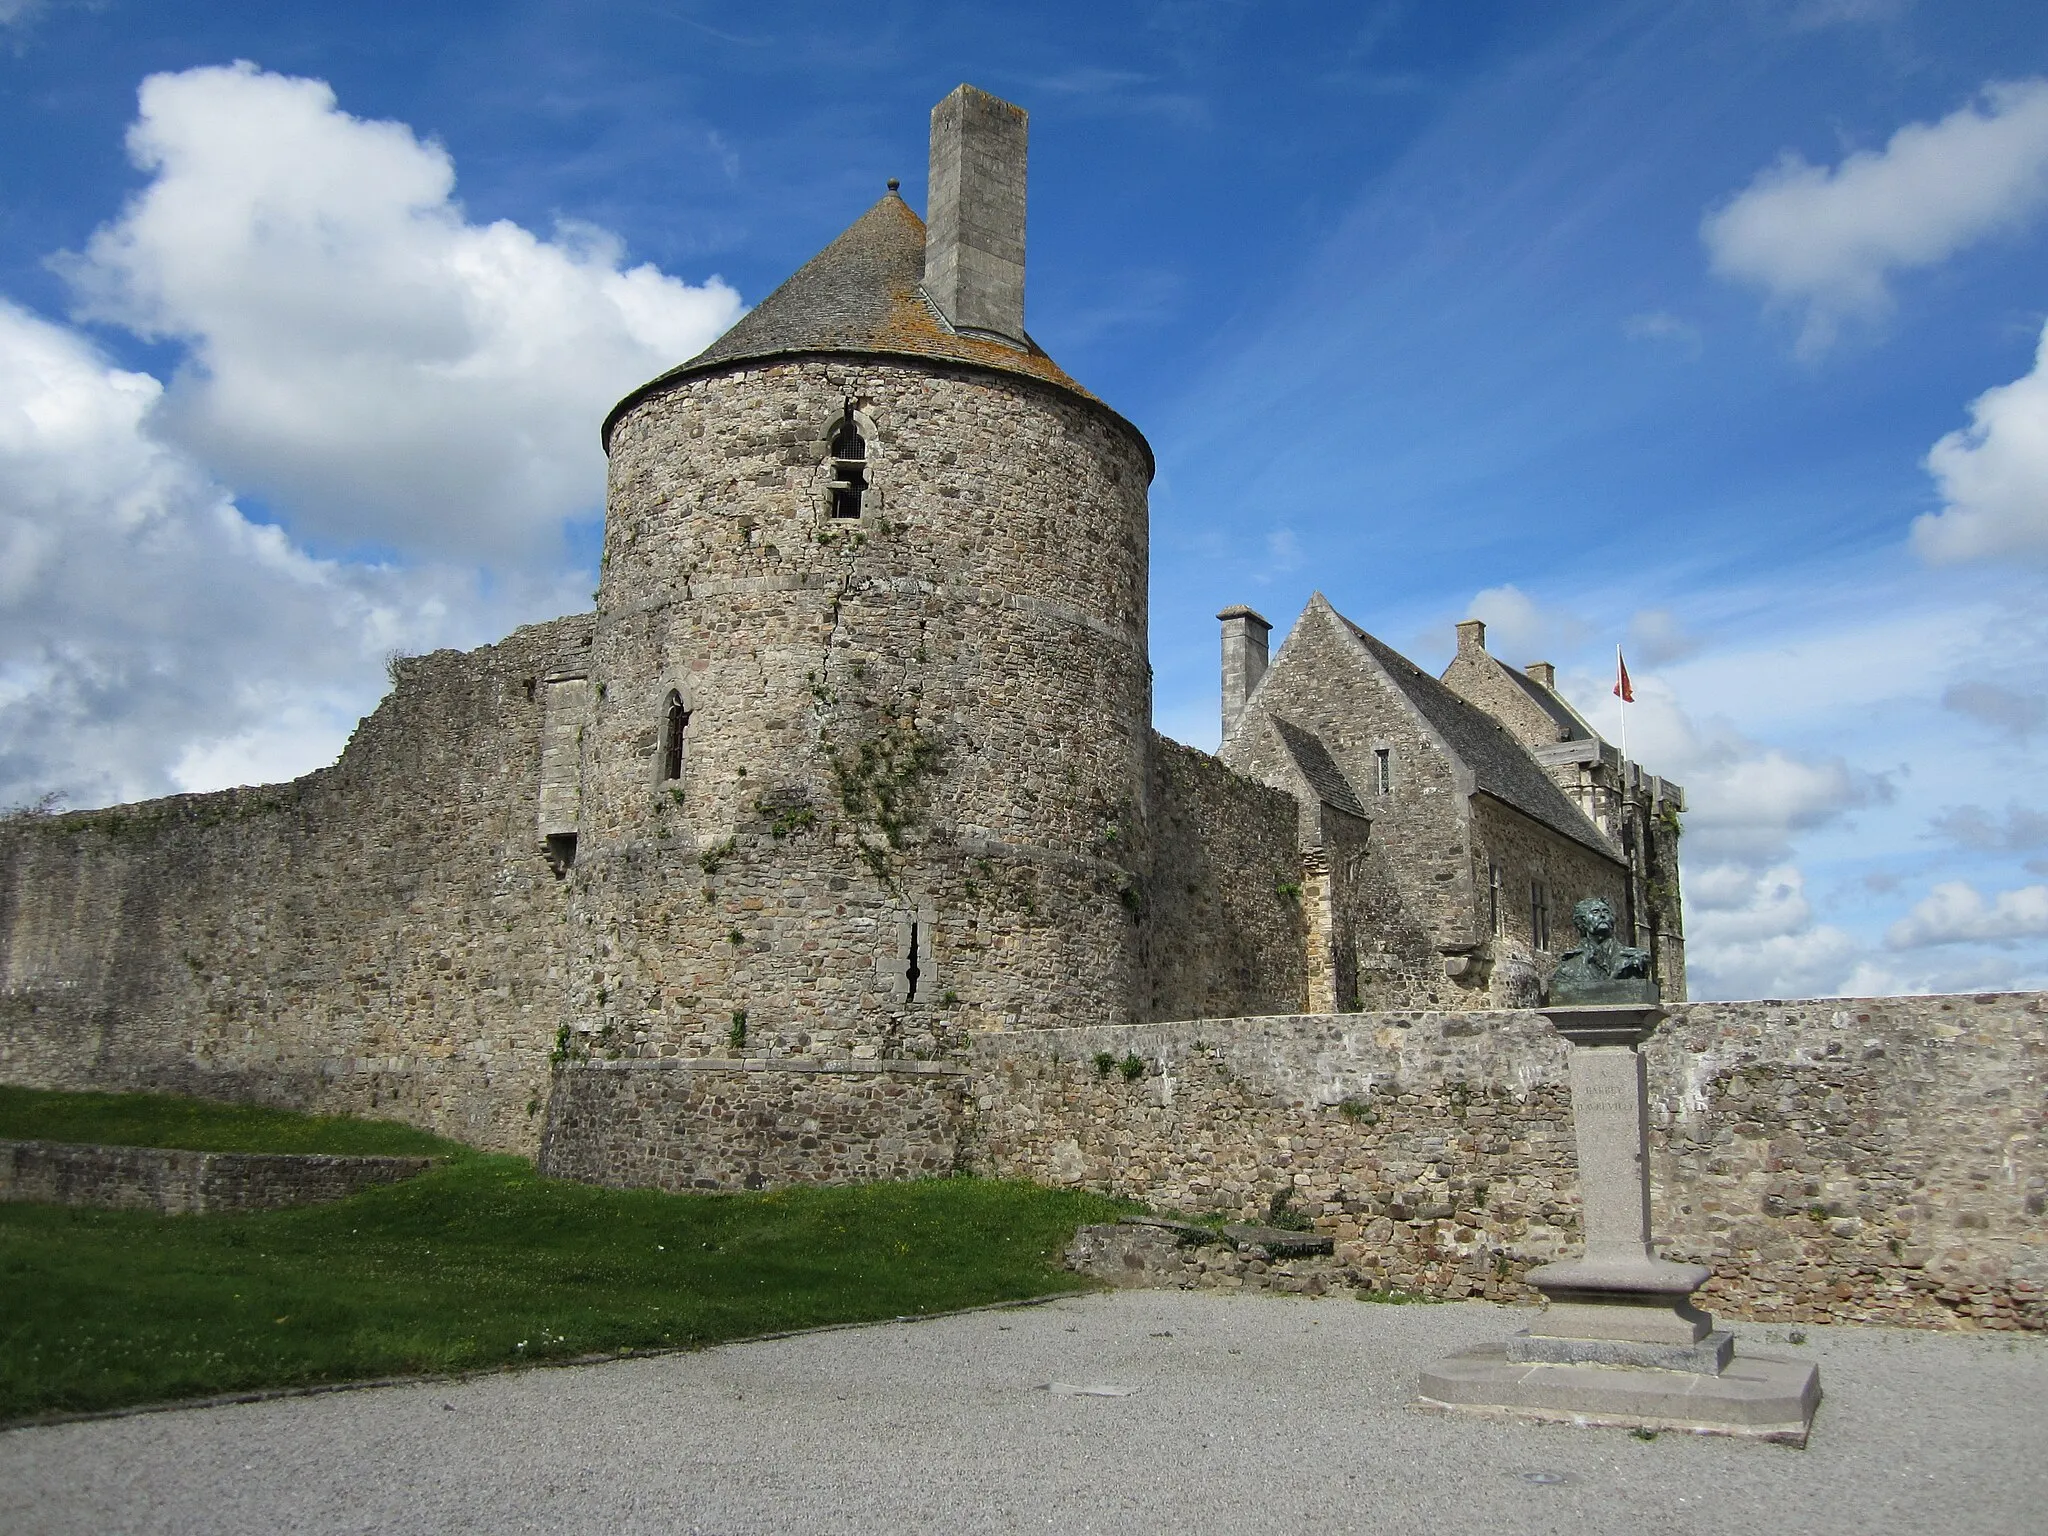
(378, 937)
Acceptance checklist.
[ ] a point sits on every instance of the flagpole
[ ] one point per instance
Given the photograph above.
(1624, 703)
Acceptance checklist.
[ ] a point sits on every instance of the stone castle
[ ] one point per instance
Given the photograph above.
(855, 751)
(836, 844)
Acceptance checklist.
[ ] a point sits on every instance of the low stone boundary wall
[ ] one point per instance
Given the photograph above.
(1143, 1252)
(751, 1124)
(1881, 1160)
(181, 1183)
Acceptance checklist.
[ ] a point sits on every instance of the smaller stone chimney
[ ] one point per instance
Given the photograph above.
(1544, 673)
(1245, 635)
(974, 225)
(1472, 637)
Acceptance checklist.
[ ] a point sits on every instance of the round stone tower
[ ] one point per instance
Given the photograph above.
(864, 727)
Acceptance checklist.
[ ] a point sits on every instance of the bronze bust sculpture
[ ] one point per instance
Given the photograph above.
(1601, 969)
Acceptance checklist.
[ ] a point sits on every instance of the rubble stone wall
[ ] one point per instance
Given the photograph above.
(181, 1183)
(929, 717)
(1875, 1159)
(756, 1123)
(1220, 918)
(377, 937)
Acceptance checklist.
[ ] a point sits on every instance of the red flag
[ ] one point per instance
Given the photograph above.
(1622, 690)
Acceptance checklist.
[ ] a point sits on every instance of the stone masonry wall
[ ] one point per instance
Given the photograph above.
(751, 1124)
(1525, 853)
(924, 725)
(1878, 1159)
(181, 1183)
(379, 937)
(1220, 917)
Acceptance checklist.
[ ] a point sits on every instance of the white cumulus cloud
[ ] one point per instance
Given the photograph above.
(154, 638)
(1993, 476)
(362, 355)
(1828, 240)
(1520, 630)
(1752, 933)
(1955, 912)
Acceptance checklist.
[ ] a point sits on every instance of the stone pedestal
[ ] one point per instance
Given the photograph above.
(1619, 1341)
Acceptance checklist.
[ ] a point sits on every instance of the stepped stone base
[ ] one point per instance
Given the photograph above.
(1755, 1397)
(1709, 1354)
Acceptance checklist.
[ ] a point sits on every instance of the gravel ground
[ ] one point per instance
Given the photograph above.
(1243, 1414)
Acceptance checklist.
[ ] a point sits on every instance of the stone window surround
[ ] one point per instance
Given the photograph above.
(871, 496)
(676, 689)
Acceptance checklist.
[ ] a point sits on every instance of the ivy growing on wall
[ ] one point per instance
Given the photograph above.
(880, 785)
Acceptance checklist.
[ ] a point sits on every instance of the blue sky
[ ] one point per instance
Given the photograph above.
(1707, 329)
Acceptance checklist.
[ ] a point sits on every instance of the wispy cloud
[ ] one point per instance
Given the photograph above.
(2016, 714)
(1657, 326)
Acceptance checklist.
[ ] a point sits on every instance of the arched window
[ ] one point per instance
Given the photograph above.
(672, 737)
(849, 467)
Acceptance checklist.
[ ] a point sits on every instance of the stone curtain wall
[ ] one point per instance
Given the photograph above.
(188, 1183)
(1221, 916)
(1878, 1160)
(380, 937)
(751, 1124)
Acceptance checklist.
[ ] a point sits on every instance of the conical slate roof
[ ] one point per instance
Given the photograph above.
(860, 294)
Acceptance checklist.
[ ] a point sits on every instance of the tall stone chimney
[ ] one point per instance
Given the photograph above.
(1471, 636)
(1245, 635)
(974, 225)
(1544, 673)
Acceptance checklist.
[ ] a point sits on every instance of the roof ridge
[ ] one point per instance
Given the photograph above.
(1510, 773)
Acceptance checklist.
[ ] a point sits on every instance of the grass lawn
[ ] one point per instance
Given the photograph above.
(478, 1263)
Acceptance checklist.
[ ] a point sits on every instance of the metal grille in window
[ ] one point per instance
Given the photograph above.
(1385, 757)
(849, 467)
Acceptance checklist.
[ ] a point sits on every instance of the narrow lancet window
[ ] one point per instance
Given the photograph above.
(910, 971)
(849, 467)
(1384, 760)
(677, 724)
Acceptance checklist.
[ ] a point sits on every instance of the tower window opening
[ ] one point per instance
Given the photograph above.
(849, 467)
(678, 722)
(1539, 915)
(1493, 896)
(1383, 760)
(910, 971)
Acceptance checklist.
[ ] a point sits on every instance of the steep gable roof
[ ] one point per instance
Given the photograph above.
(1569, 721)
(1313, 761)
(863, 293)
(1499, 764)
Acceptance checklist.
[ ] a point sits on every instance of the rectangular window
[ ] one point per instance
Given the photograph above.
(1493, 913)
(1385, 759)
(1539, 915)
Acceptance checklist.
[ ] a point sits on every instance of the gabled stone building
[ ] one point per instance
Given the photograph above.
(1441, 855)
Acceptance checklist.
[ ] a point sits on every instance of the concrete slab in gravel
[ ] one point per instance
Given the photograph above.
(1244, 1414)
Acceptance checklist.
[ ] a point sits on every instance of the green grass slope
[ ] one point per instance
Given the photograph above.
(481, 1263)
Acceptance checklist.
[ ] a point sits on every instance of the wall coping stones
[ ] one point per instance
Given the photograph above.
(176, 1181)
(893, 1066)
